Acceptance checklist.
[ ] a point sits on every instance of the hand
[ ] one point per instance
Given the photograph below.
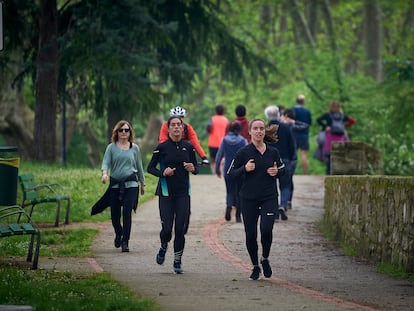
(104, 178)
(250, 165)
(142, 188)
(272, 171)
(188, 166)
(168, 171)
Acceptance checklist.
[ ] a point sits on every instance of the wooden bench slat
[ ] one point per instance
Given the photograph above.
(28, 228)
(5, 230)
(16, 228)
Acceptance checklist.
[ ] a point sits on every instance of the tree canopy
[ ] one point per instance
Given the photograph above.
(131, 59)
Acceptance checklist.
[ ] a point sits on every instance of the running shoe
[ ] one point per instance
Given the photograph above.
(267, 270)
(228, 213)
(177, 268)
(125, 248)
(161, 255)
(255, 273)
(117, 241)
(283, 214)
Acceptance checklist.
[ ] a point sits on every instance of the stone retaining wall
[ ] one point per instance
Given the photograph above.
(374, 215)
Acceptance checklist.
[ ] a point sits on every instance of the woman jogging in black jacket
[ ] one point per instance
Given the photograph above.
(259, 164)
(172, 161)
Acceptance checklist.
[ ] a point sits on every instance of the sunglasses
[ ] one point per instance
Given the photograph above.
(123, 130)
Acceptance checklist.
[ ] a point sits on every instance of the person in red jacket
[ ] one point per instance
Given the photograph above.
(188, 133)
(216, 128)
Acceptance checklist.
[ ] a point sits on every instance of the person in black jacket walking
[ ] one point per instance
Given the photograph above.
(287, 150)
(172, 161)
(259, 165)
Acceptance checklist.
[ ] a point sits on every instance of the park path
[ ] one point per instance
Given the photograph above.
(309, 272)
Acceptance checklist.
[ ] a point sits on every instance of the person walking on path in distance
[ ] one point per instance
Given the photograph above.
(230, 144)
(260, 164)
(123, 160)
(241, 117)
(172, 161)
(302, 135)
(334, 123)
(188, 133)
(216, 128)
(288, 117)
(287, 150)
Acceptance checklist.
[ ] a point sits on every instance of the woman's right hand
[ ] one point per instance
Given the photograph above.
(104, 178)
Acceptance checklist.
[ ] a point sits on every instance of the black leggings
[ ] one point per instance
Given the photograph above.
(267, 210)
(130, 197)
(174, 210)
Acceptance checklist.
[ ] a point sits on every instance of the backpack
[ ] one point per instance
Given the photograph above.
(337, 127)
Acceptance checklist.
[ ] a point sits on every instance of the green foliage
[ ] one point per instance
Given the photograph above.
(395, 272)
(45, 290)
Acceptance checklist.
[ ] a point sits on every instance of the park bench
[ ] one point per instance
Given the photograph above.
(34, 194)
(11, 225)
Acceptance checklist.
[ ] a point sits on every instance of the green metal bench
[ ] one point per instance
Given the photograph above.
(33, 196)
(11, 225)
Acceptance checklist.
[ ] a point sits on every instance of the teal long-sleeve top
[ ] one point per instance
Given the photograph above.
(122, 163)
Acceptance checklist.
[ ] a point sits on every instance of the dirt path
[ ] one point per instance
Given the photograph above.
(310, 273)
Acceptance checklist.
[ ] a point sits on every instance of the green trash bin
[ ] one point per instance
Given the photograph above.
(9, 171)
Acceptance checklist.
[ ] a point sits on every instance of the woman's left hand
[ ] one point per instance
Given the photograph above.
(188, 166)
(272, 171)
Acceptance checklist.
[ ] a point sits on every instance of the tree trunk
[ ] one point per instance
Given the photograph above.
(373, 39)
(16, 118)
(301, 27)
(46, 84)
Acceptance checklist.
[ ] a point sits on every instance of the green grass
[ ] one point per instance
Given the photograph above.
(46, 290)
(51, 290)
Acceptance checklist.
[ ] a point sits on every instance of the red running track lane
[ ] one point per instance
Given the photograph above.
(211, 238)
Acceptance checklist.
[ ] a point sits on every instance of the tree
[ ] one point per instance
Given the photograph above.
(46, 84)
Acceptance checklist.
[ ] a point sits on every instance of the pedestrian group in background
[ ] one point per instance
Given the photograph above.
(254, 158)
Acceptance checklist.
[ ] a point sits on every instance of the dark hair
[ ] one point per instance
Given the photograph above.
(290, 113)
(270, 136)
(235, 127)
(174, 117)
(220, 110)
(240, 111)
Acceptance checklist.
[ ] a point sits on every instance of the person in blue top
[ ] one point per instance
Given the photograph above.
(230, 144)
(302, 135)
(123, 160)
(172, 161)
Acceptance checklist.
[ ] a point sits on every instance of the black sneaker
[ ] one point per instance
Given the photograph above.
(125, 248)
(228, 213)
(267, 270)
(177, 267)
(282, 213)
(161, 255)
(117, 241)
(255, 273)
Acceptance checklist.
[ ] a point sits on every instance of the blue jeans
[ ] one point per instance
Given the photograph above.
(286, 183)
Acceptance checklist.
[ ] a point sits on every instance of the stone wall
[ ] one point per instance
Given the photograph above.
(374, 215)
(355, 158)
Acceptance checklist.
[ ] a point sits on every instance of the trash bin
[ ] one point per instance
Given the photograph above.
(9, 171)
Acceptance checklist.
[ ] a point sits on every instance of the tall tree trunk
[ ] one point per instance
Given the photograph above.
(373, 36)
(301, 25)
(46, 84)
